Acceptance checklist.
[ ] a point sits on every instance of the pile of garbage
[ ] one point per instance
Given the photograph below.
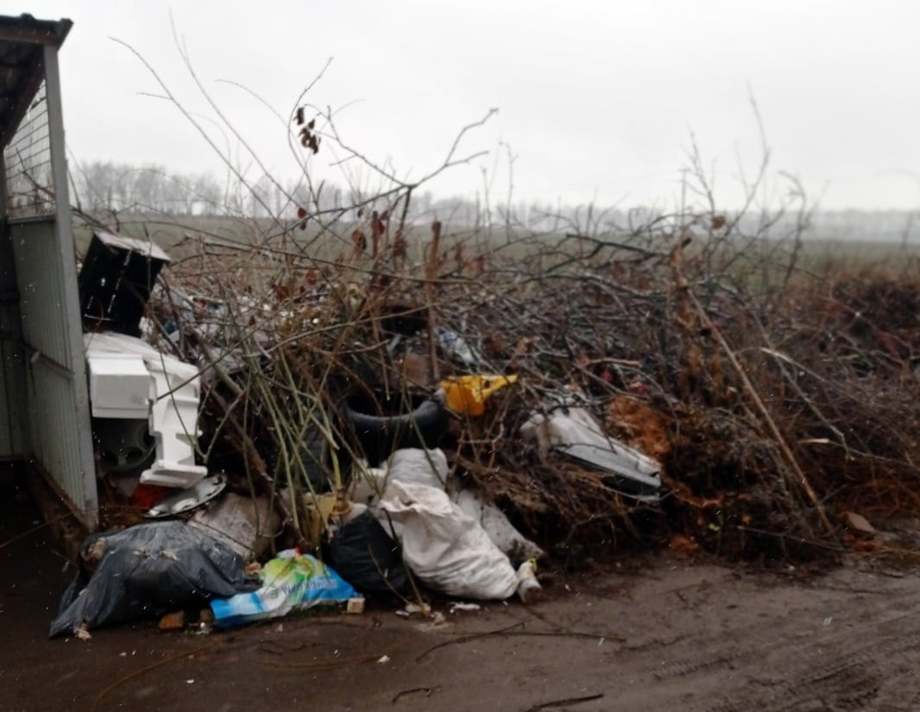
(276, 431)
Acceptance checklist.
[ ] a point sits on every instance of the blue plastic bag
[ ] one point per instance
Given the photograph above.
(291, 581)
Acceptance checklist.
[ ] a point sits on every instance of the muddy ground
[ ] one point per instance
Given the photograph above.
(654, 634)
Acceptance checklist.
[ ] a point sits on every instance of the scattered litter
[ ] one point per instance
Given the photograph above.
(318, 509)
(468, 394)
(457, 347)
(405, 693)
(367, 482)
(412, 609)
(188, 499)
(859, 523)
(459, 606)
(355, 606)
(383, 660)
(683, 545)
(173, 621)
(528, 587)
(81, 632)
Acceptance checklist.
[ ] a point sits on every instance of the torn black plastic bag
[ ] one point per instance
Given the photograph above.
(148, 570)
(364, 555)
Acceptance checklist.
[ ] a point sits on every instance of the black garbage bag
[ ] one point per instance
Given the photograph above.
(145, 571)
(363, 554)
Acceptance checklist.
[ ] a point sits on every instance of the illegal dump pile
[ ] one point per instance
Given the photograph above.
(464, 415)
(423, 409)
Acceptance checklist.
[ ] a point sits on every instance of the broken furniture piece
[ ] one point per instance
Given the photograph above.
(131, 380)
(115, 281)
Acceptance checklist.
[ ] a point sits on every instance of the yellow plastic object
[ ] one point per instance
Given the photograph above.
(468, 394)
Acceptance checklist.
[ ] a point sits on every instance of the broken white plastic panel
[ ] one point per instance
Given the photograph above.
(576, 433)
(119, 385)
(170, 405)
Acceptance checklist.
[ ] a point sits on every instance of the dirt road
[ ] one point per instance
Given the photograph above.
(662, 635)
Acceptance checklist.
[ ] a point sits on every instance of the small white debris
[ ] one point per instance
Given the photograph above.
(383, 660)
(460, 606)
(82, 632)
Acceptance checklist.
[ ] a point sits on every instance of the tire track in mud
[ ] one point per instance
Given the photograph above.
(872, 661)
(858, 668)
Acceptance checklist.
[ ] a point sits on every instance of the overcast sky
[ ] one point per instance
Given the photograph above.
(596, 99)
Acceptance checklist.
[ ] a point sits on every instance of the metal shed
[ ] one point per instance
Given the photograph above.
(44, 401)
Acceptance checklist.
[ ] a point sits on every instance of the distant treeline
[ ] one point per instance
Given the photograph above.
(104, 186)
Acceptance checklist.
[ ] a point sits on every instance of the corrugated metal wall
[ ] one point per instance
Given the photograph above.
(56, 378)
(51, 333)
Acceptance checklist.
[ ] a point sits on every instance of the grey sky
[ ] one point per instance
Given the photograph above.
(596, 99)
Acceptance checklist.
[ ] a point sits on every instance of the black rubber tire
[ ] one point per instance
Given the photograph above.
(379, 435)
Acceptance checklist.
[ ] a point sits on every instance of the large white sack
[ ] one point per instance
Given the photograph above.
(444, 547)
(416, 466)
(496, 525)
(409, 465)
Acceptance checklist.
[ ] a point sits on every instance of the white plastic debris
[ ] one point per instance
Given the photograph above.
(412, 609)
(169, 402)
(368, 482)
(527, 581)
(444, 547)
(575, 432)
(81, 632)
(460, 606)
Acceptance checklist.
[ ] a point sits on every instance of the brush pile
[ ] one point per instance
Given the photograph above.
(776, 400)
